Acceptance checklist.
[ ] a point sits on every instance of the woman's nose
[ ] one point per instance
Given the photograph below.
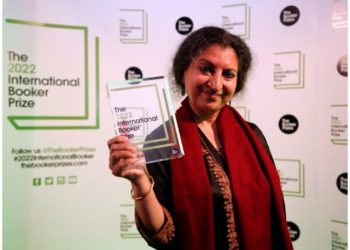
(215, 81)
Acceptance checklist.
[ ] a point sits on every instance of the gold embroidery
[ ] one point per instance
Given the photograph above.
(167, 233)
(224, 184)
(162, 238)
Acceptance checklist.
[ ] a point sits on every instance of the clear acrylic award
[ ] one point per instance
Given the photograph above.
(142, 110)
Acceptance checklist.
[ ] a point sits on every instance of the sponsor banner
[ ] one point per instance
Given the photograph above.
(289, 70)
(339, 124)
(133, 26)
(236, 19)
(292, 178)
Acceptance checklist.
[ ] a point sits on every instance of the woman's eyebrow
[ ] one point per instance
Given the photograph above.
(206, 61)
(202, 60)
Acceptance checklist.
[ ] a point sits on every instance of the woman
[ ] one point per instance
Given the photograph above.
(225, 192)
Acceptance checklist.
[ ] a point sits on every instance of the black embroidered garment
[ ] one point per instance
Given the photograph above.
(225, 228)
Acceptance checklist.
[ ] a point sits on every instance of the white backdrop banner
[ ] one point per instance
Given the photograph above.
(58, 57)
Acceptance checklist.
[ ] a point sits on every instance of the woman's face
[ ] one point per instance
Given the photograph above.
(210, 80)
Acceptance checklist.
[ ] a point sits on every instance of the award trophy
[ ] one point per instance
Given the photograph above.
(143, 112)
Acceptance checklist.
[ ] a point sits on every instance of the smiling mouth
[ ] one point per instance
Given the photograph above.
(210, 91)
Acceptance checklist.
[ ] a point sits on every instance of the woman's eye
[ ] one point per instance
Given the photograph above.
(206, 69)
(229, 74)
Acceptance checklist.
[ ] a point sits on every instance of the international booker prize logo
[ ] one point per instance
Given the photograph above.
(342, 66)
(342, 183)
(133, 73)
(289, 15)
(288, 124)
(294, 230)
(133, 26)
(184, 25)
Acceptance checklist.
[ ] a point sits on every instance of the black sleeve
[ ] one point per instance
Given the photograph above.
(261, 138)
(160, 171)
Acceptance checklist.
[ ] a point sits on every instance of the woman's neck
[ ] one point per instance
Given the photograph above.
(210, 130)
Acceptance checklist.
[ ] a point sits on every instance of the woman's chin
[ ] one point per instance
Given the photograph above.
(213, 106)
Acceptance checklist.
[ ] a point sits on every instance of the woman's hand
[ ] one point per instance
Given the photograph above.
(125, 160)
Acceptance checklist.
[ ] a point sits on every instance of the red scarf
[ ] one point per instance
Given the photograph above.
(256, 190)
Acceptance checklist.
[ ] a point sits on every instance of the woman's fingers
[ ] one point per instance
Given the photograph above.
(130, 168)
(117, 140)
(125, 159)
(120, 148)
(135, 170)
(116, 155)
(121, 159)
